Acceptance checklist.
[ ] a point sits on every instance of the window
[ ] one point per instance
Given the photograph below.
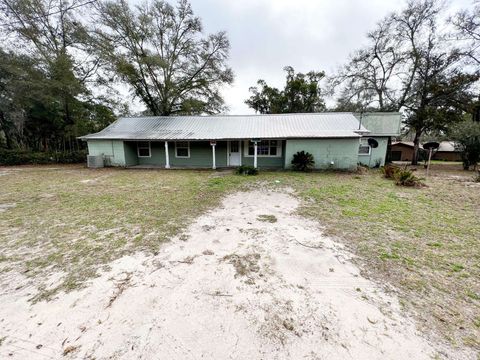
(143, 149)
(182, 149)
(265, 148)
(364, 148)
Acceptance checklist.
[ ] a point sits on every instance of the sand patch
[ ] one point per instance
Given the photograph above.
(235, 287)
(5, 207)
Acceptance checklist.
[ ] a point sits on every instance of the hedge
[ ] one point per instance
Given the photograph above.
(21, 157)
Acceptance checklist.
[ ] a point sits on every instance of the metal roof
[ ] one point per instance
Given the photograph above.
(445, 146)
(220, 127)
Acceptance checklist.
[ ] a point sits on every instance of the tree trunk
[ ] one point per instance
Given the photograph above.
(416, 145)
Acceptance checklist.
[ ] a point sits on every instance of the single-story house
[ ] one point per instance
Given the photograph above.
(336, 140)
(447, 151)
(401, 151)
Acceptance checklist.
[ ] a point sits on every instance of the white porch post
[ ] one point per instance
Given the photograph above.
(255, 154)
(213, 157)
(167, 158)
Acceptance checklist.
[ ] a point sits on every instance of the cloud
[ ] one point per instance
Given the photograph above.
(267, 35)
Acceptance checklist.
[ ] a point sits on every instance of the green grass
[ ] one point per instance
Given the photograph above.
(423, 241)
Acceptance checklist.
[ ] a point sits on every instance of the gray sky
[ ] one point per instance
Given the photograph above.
(266, 35)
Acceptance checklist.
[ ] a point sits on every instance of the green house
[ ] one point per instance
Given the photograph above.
(336, 140)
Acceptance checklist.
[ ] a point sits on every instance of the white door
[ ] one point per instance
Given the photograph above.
(234, 155)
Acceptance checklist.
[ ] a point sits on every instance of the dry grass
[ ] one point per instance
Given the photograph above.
(425, 242)
(74, 220)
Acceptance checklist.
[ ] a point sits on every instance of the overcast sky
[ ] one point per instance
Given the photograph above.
(266, 35)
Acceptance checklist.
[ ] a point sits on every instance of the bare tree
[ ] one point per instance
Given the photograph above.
(370, 75)
(467, 24)
(409, 67)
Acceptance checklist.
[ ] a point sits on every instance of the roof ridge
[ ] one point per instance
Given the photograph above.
(238, 115)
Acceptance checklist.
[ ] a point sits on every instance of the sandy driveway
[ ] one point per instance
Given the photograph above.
(249, 281)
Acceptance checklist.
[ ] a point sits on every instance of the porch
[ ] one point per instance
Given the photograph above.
(205, 154)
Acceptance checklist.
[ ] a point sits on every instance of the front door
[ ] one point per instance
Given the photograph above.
(234, 156)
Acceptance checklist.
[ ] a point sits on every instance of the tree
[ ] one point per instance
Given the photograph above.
(51, 35)
(369, 79)
(161, 53)
(31, 114)
(301, 93)
(467, 134)
(467, 24)
(410, 67)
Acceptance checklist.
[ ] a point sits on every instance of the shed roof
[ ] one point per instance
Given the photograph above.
(221, 127)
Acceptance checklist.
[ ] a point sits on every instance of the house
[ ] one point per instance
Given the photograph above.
(336, 140)
(447, 151)
(401, 151)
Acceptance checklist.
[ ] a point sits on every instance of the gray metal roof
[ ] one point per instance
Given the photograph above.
(220, 127)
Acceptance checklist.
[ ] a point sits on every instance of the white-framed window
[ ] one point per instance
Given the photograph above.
(143, 149)
(364, 148)
(182, 149)
(265, 148)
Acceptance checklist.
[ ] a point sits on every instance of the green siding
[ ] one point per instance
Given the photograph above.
(343, 152)
(200, 155)
(378, 154)
(381, 124)
(157, 152)
(131, 157)
(112, 150)
(264, 162)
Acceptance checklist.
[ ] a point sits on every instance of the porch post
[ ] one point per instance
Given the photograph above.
(255, 154)
(167, 158)
(213, 156)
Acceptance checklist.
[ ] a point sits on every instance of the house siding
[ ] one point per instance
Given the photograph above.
(200, 155)
(264, 162)
(447, 156)
(112, 150)
(130, 149)
(401, 152)
(378, 154)
(342, 151)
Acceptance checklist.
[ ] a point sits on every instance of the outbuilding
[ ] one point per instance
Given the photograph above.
(336, 140)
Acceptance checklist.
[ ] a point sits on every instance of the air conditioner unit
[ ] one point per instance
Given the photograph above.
(95, 161)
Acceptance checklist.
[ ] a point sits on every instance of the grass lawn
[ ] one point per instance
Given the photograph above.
(425, 242)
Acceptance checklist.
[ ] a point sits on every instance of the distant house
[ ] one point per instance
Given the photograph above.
(336, 140)
(402, 151)
(447, 151)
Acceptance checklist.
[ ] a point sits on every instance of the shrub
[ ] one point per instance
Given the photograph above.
(303, 161)
(247, 170)
(389, 171)
(476, 178)
(22, 157)
(405, 177)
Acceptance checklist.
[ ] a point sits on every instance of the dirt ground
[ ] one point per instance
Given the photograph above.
(247, 280)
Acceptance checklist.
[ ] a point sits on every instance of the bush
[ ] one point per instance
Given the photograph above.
(389, 171)
(405, 177)
(303, 161)
(247, 170)
(22, 157)
(476, 178)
